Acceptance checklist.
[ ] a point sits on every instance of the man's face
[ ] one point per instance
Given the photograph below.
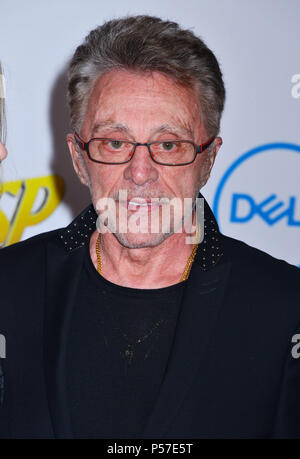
(142, 108)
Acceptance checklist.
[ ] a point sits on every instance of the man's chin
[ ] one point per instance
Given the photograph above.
(139, 240)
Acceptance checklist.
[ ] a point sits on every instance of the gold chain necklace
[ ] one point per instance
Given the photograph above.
(185, 273)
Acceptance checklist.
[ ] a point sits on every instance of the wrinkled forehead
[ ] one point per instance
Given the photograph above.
(123, 97)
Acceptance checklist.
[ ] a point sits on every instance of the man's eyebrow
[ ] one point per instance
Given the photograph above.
(111, 125)
(181, 131)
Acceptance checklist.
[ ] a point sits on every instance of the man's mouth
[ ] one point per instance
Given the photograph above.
(141, 203)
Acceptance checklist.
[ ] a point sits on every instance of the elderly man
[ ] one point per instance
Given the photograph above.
(116, 330)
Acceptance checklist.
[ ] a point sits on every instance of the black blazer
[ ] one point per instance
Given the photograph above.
(230, 374)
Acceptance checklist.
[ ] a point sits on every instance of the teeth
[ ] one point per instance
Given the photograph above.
(139, 203)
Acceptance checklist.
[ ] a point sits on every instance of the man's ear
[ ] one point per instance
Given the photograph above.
(77, 160)
(210, 159)
(212, 156)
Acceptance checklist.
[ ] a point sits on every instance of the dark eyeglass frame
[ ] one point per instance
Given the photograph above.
(85, 146)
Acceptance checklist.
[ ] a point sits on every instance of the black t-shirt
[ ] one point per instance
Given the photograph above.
(118, 347)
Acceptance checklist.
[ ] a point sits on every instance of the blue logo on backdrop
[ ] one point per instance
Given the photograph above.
(269, 208)
(253, 206)
(258, 208)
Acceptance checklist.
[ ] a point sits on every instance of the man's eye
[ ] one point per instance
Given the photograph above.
(167, 145)
(116, 143)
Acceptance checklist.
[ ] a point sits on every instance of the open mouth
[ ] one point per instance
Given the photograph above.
(137, 205)
(142, 207)
(141, 204)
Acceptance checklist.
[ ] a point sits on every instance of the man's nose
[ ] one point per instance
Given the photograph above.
(141, 169)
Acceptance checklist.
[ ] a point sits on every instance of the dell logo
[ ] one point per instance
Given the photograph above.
(258, 200)
(262, 209)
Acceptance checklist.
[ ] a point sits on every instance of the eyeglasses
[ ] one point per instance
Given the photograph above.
(166, 152)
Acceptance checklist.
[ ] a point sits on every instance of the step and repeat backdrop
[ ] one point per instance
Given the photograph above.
(254, 189)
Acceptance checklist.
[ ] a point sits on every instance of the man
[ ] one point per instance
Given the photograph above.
(135, 333)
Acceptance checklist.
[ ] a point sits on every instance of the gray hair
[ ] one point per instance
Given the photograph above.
(147, 44)
(2, 108)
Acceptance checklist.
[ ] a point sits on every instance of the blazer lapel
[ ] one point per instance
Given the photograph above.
(200, 305)
(63, 270)
(64, 262)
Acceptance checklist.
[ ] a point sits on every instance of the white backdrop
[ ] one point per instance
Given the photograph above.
(254, 188)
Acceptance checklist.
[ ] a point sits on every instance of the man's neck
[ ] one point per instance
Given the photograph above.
(146, 267)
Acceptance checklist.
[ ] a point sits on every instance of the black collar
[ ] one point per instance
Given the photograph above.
(209, 252)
